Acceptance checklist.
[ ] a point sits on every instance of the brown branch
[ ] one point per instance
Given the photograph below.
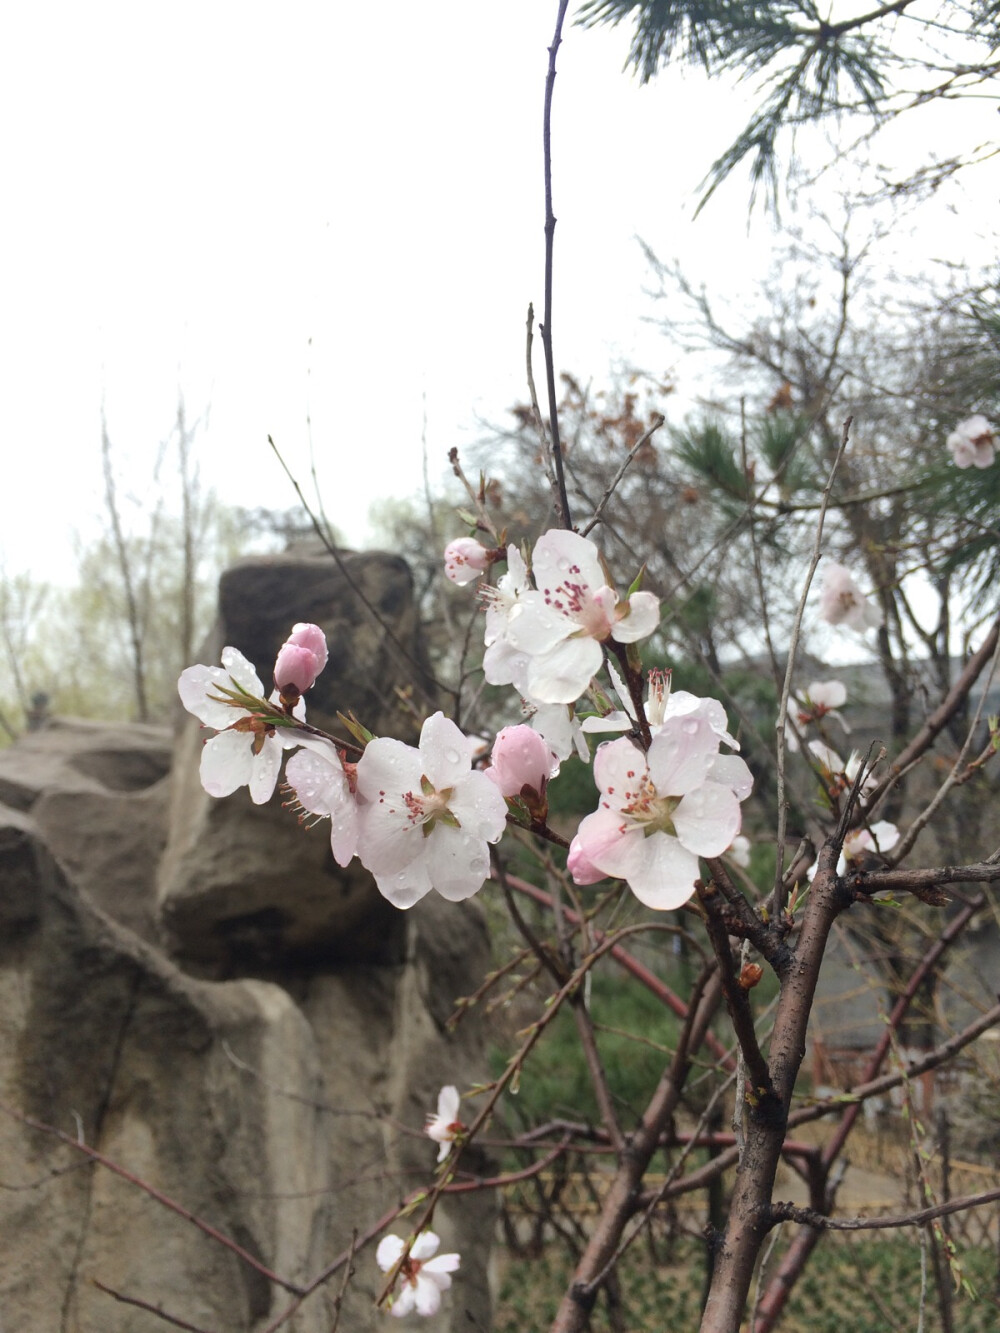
(795, 1259)
(737, 998)
(596, 1070)
(619, 1204)
(636, 969)
(789, 1212)
(164, 1199)
(939, 719)
(565, 516)
(612, 486)
(334, 551)
(918, 881)
(145, 1305)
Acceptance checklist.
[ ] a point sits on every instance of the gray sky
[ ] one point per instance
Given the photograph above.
(331, 209)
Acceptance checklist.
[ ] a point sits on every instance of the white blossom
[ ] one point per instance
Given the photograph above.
(423, 1275)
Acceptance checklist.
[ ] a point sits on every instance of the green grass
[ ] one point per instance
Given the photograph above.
(853, 1284)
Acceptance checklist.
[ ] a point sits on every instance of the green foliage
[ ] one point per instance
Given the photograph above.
(556, 1082)
(711, 454)
(807, 69)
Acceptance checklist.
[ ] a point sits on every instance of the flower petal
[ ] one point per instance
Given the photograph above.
(560, 556)
(426, 1245)
(732, 772)
(196, 686)
(708, 819)
(478, 805)
(457, 862)
(388, 1252)
(562, 675)
(427, 1295)
(226, 762)
(242, 672)
(405, 887)
(641, 618)
(445, 753)
(664, 878)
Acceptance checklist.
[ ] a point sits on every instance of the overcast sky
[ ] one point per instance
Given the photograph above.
(328, 209)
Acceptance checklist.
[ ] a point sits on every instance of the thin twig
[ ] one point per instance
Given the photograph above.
(788, 1212)
(565, 516)
(612, 486)
(793, 643)
(151, 1309)
(164, 1199)
(341, 563)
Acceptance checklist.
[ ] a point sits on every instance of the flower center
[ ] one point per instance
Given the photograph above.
(430, 807)
(576, 602)
(647, 807)
(409, 1269)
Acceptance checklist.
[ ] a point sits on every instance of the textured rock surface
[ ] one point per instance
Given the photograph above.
(98, 795)
(240, 894)
(280, 1095)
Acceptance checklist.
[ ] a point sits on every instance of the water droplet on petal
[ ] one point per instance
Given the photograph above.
(452, 756)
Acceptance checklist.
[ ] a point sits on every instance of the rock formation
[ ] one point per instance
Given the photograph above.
(195, 991)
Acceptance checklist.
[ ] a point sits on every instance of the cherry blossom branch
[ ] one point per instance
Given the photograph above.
(636, 969)
(736, 996)
(794, 1261)
(778, 894)
(925, 815)
(565, 517)
(494, 1090)
(768, 938)
(596, 1070)
(334, 551)
(536, 411)
(767, 1116)
(693, 1140)
(854, 1098)
(574, 1311)
(478, 500)
(919, 881)
(613, 484)
(789, 1212)
(939, 719)
(164, 1199)
(150, 1309)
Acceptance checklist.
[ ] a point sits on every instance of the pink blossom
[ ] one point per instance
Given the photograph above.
(445, 1126)
(465, 559)
(973, 443)
(879, 837)
(660, 811)
(248, 748)
(427, 816)
(521, 759)
(580, 866)
(300, 659)
(559, 728)
(553, 633)
(841, 601)
(422, 1276)
(322, 784)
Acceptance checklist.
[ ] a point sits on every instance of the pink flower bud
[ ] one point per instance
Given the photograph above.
(465, 559)
(521, 759)
(295, 669)
(580, 866)
(313, 638)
